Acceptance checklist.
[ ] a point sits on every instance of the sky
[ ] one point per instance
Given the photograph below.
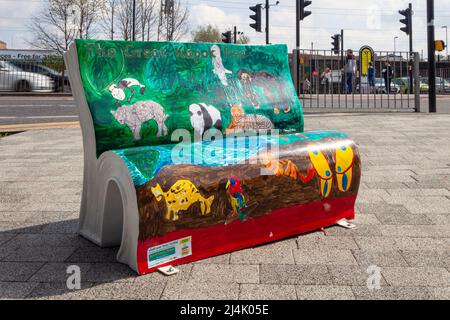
(366, 22)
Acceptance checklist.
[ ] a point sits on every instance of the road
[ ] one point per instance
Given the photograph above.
(36, 109)
(25, 111)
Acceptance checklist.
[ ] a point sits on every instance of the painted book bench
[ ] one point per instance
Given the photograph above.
(194, 150)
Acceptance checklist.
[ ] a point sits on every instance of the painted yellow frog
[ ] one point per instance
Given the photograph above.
(181, 196)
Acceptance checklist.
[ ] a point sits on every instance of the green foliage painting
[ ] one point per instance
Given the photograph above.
(140, 92)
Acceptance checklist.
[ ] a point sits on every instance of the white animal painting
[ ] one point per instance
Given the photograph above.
(219, 69)
(118, 90)
(204, 117)
(138, 113)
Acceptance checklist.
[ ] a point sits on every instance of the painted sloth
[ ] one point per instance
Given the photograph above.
(269, 83)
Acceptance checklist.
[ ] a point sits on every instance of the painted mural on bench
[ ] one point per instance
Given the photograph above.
(273, 182)
(312, 167)
(140, 92)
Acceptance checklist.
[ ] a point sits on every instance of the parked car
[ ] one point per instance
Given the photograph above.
(442, 85)
(404, 84)
(380, 86)
(14, 79)
(61, 83)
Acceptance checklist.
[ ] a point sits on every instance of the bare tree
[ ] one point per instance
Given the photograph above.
(54, 27)
(147, 18)
(243, 39)
(108, 21)
(165, 18)
(173, 20)
(124, 12)
(62, 21)
(87, 13)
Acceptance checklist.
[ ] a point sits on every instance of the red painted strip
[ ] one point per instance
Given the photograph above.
(280, 224)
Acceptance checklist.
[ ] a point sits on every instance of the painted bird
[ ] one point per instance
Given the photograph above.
(238, 199)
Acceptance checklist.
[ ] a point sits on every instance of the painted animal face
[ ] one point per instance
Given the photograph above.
(195, 112)
(245, 77)
(157, 192)
(215, 51)
(117, 93)
(237, 111)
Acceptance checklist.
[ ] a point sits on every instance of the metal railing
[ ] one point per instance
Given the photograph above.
(324, 85)
(34, 75)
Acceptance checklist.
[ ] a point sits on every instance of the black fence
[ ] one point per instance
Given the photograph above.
(44, 75)
(325, 82)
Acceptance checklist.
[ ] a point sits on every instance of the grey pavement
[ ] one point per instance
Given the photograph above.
(403, 219)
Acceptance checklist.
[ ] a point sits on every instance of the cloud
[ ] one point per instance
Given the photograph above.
(372, 22)
(13, 19)
(206, 14)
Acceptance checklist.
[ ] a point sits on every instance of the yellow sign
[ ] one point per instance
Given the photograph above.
(366, 55)
(439, 45)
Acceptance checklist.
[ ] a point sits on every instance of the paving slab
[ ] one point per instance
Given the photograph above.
(324, 257)
(194, 290)
(18, 271)
(267, 292)
(295, 274)
(274, 253)
(380, 258)
(416, 276)
(16, 290)
(324, 293)
(393, 293)
(402, 218)
(223, 273)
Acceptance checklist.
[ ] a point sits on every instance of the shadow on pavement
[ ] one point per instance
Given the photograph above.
(34, 262)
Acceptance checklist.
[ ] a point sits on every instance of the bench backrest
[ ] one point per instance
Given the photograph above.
(138, 93)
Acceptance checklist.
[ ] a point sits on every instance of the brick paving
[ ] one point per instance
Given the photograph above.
(403, 216)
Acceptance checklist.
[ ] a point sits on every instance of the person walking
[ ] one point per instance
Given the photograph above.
(387, 75)
(326, 80)
(371, 77)
(350, 70)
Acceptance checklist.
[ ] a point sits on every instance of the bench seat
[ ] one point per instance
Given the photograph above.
(213, 218)
(192, 150)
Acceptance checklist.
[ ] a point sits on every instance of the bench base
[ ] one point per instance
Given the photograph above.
(281, 223)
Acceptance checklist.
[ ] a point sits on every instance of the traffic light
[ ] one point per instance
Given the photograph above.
(226, 37)
(302, 5)
(407, 21)
(336, 43)
(256, 17)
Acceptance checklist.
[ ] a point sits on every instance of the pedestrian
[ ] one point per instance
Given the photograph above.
(387, 75)
(371, 77)
(326, 80)
(306, 86)
(350, 70)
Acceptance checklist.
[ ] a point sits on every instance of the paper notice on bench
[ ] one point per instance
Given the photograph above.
(169, 251)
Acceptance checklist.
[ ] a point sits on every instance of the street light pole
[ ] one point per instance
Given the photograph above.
(395, 44)
(297, 46)
(446, 40)
(134, 20)
(431, 57)
(267, 21)
(267, 18)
